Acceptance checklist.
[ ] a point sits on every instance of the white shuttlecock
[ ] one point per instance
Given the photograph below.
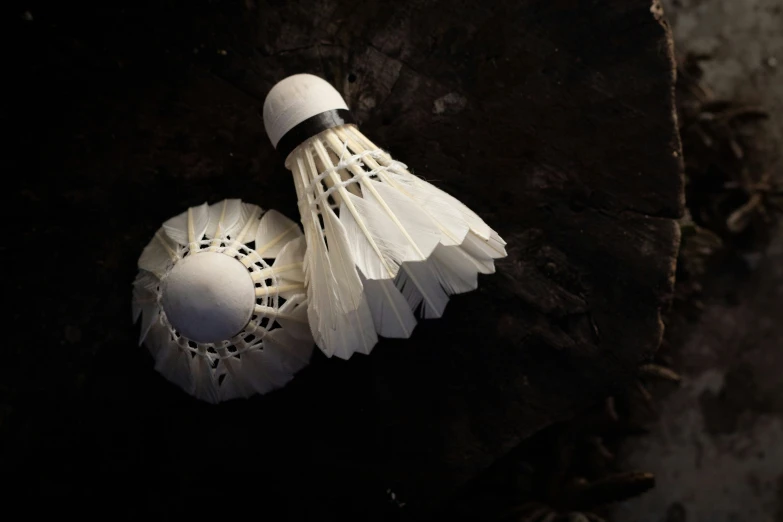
(381, 242)
(221, 294)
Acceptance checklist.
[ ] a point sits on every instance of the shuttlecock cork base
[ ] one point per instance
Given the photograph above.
(209, 297)
(382, 244)
(220, 292)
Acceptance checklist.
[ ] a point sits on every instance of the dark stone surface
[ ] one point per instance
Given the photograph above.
(552, 119)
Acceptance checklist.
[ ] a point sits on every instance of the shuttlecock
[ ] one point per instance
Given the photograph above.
(381, 242)
(221, 294)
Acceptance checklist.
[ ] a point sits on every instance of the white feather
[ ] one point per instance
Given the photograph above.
(234, 384)
(351, 305)
(377, 248)
(384, 213)
(264, 373)
(288, 264)
(484, 252)
(189, 226)
(286, 353)
(476, 224)
(344, 280)
(380, 240)
(204, 382)
(498, 242)
(144, 293)
(348, 333)
(453, 226)
(391, 314)
(338, 314)
(274, 232)
(158, 340)
(292, 316)
(455, 269)
(250, 221)
(419, 284)
(159, 254)
(174, 364)
(225, 219)
(150, 316)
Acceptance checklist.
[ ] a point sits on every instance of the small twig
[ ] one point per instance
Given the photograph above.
(660, 372)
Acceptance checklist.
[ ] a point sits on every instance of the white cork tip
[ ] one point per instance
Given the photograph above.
(208, 297)
(295, 99)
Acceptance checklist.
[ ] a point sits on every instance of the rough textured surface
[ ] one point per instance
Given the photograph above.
(553, 119)
(716, 450)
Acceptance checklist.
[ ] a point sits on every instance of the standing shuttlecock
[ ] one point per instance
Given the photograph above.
(221, 293)
(381, 242)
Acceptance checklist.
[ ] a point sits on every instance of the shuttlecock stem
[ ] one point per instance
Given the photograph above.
(164, 242)
(276, 240)
(321, 151)
(343, 134)
(275, 270)
(266, 290)
(360, 174)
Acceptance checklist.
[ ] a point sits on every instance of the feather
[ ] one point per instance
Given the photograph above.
(449, 220)
(334, 290)
(146, 280)
(150, 316)
(287, 353)
(188, 227)
(225, 219)
(274, 232)
(378, 245)
(158, 255)
(288, 264)
(377, 249)
(498, 243)
(455, 269)
(391, 314)
(476, 224)
(264, 373)
(174, 364)
(292, 316)
(385, 217)
(234, 384)
(347, 333)
(136, 306)
(419, 284)
(144, 292)
(428, 198)
(159, 340)
(250, 220)
(357, 333)
(204, 385)
(344, 282)
(337, 329)
(484, 252)
(320, 281)
(282, 290)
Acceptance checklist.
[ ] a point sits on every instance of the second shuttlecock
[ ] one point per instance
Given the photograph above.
(221, 299)
(382, 244)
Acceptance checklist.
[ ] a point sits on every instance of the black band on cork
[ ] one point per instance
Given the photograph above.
(312, 126)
